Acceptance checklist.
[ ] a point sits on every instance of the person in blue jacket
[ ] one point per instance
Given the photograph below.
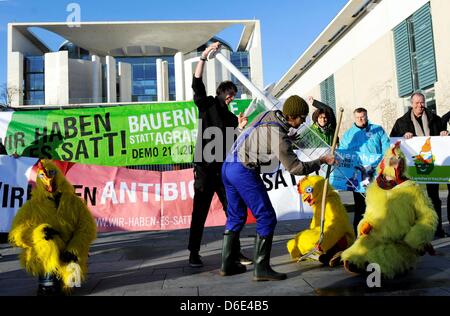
(363, 137)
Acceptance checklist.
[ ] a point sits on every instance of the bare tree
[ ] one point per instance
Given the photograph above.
(7, 94)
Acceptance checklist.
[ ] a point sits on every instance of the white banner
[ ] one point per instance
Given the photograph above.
(14, 175)
(15, 187)
(428, 158)
(282, 190)
(5, 118)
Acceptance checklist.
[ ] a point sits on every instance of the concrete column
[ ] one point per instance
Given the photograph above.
(125, 82)
(111, 79)
(15, 78)
(57, 78)
(165, 80)
(189, 68)
(162, 80)
(97, 79)
(179, 76)
(159, 79)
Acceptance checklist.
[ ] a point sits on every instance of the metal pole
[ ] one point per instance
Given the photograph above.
(324, 192)
(327, 178)
(243, 79)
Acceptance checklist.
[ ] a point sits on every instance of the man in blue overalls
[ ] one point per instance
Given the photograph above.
(260, 149)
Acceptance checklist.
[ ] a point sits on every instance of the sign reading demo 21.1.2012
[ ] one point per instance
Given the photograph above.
(156, 133)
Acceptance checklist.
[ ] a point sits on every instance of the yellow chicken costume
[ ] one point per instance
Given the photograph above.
(399, 222)
(338, 232)
(55, 229)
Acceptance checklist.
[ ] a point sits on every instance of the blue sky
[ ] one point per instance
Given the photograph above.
(288, 27)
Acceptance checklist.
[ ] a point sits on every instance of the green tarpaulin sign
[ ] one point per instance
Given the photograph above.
(156, 133)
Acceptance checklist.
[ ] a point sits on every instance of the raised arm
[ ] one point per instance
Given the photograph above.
(200, 97)
(320, 105)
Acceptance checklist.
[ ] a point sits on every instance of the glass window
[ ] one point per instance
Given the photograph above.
(35, 81)
(415, 52)
(150, 72)
(144, 77)
(138, 72)
(240, 60)
(244, 60)
(235, 59)
(35, 98)
(34, 64)
(150, 91)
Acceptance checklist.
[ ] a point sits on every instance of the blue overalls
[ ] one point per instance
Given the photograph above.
(244, 187)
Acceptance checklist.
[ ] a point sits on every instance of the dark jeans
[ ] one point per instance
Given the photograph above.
(433, 193)
(207, 181)
(360, 208)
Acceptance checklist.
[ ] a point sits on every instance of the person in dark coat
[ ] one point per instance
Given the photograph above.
(445, 121)
(213, 114)
(2, 148)
(419, 121)
(2, 152)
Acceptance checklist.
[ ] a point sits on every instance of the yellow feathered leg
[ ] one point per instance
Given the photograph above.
(45, 253)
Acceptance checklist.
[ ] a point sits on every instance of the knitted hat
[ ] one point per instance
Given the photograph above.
(295, 106)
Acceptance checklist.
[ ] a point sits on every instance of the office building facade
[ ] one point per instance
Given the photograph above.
(375, 54)
(123, 62)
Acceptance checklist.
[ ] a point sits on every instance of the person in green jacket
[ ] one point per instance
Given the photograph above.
(322, 129)
(322, 125)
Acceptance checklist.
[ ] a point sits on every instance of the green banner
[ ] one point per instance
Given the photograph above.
(156, 133)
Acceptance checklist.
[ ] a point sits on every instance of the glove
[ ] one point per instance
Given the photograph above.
(68, 257)
(49, 233)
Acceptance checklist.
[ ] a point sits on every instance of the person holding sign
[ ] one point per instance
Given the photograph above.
(324, 120)
(213, 114)
(419, 121)
(366, 138)
(260, 149)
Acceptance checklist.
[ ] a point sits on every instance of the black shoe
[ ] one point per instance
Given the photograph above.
(50, 290)
(195, 261)
(441, 234)
(244, 260)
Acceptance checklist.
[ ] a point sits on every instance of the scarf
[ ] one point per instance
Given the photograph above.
(417, 128)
